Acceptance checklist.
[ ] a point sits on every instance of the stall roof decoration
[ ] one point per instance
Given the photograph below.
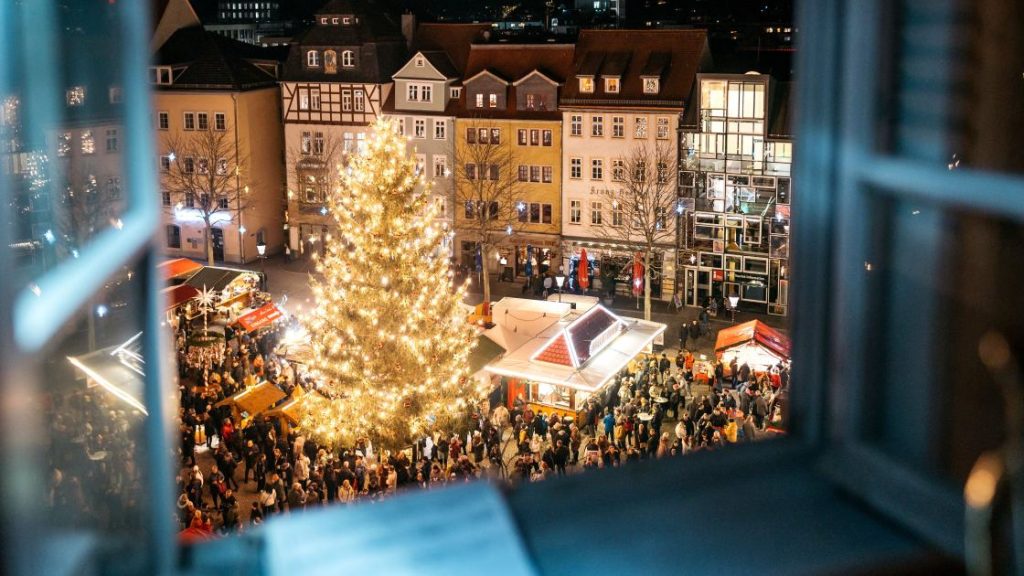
(179, 267)
(254, 400)
(117, 369)
(178, 295)
(582, 338)
(214, 278)
(261, 317)
(757, 332)
(626, 338)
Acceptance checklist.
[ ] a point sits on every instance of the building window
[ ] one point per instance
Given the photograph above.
(576, 125)
(586, 85)
(112, 140)
(597, 169)
(421, 163)
(348, 59)
(75, 96)
(597, 125)
(419, 62)
(534, 173)
(546, 137)
(400, 126)
(346, 101)
(547, 174)
(348, 143)
(222, 166)
(314, 98)
(495, 135)
(412, 93)
(618, 127)
(440, 166)
(522, 137)
(483, 135)
(576, 168)
(220, 122)
(306, 142)
(479, 100)
(534, 137)
(165, 163)
(359, 98)
(618, 170)
(318, 143)
(492, 100)
(617, 214)
(163, 120)
(440, 130)
(173, 236)
(303, 99)
(545, 213)
(313, 59)
(115, 95)
(494, 173)
(456, 93)
(188, 165)
(64, 144)
(114, 188)
(470, 213)
(470, 175)
(203, 120)
(611, 85)
(190, 200)
(640, 127)
(524, 173)
(651, 85)
(419, 128)
(222, 203)
(471, 135)
(161, 75)
(575, 211)
(190, 121)
(331, 62)
(662, 128)
(165, 198)
(595, 213)
(88, 142)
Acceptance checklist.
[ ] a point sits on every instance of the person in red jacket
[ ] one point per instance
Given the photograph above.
(227, 430)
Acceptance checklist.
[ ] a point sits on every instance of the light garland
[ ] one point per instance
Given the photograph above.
(390, 344)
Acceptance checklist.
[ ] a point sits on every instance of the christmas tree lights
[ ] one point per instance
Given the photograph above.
(389, 339)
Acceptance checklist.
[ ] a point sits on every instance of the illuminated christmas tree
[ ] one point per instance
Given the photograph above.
(390, 342)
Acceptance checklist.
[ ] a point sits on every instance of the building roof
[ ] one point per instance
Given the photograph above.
(511, 62)
(753, 331)
(212, 61)
(440, 61)
(674, 56)
(452, 39)
(374, 35)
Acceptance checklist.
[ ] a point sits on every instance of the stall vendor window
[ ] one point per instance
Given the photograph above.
(557, 396)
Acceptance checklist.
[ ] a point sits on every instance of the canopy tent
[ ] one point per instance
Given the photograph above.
(117, 369)
(260, 318)
(179, 268)
(754, 343)
(252, 401)
(579, 351)
(177, 295)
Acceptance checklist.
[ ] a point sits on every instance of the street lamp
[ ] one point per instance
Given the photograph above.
(734, 301)
(560, 281)
(261, 249)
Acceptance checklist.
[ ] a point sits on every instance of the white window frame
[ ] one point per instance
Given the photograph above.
(440, 129)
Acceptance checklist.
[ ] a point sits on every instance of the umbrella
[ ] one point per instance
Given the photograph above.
(529, 261)
(583, 270)
(638, 272)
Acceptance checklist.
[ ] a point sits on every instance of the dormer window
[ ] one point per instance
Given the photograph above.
(313, 59)
(479, 100)
(161, 75)
(346, 21)
(492, 100)
(586, 84)
(348, 59)
(323, 20)
(456, 93)
(76, 96)
(651, 85)
(611, 85)
(334, 21)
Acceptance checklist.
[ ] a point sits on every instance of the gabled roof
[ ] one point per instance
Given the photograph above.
(511, 63)
(440, 61)
(582, 338)
(673, 56)
(485, 73)
(452, 39)
(536, 73)
(753, 331)
(212, 61)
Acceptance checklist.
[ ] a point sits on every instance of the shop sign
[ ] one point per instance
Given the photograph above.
(718, 275)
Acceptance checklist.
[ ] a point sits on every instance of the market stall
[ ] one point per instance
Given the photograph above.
(570, 356)
(753, 343)
(252, 401)
(117, 369)
(179, 269)
(234, 290)
(264, 316)
(288, 415)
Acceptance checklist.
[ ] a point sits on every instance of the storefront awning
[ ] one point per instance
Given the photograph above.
(178, 268)
(177, 295)
(214, 278)
(260, 318)
(754, 335)
(256, 399)
(610, 346)
(485, 352)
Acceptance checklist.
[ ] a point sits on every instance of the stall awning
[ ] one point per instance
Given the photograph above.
(177, 295)
(178, 267)
(260, 318)
(213, 278)
(256, 399)
(485, 352)
(754, 331)
(610, 351)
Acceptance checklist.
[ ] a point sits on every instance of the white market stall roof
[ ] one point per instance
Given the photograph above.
(117, 369)
(604, 344)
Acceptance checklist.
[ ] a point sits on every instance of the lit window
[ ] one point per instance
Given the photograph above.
(640, 130)
(479, 100)
(88, 142)
(313, 59)
(440, 166)
(662, 128)
(611, 85)
(348, 59)
(331, 62)
(575, 211)
(76, 96)
(492, 100)
(586, 85)
(64, 144)
(314, 98)
(360, 100)
(651, 85)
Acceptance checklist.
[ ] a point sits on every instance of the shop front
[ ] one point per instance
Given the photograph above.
(612, 268)
(760, 283)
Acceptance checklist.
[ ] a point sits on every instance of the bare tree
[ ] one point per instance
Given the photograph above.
(207, 175)
(487, 186)
(315, 166)
(643, 204)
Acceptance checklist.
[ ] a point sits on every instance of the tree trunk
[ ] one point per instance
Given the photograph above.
(485, 278)
(647, 284)
(209, 244)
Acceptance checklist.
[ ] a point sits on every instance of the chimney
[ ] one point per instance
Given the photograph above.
(408, 28)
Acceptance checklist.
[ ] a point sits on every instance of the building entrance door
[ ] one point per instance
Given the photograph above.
(217, 237)
(703, 286)
(690, 282)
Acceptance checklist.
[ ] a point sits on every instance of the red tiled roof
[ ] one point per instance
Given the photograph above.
(556, 352)
(512, 62)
